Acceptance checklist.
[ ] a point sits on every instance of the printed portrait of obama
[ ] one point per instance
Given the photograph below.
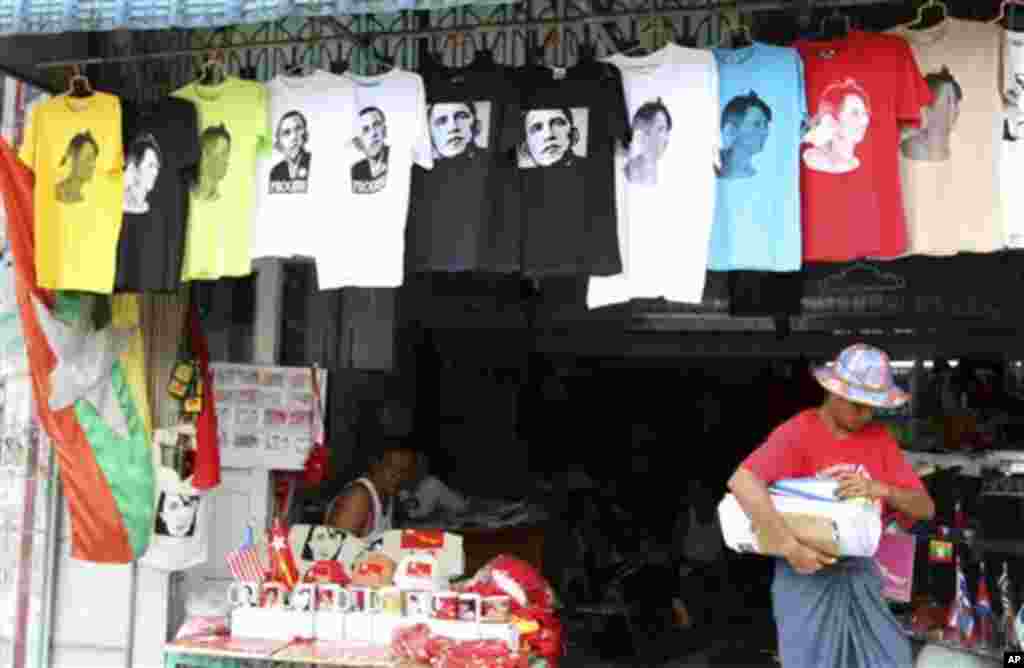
(551, 139)
(457, 130)
(370, 175)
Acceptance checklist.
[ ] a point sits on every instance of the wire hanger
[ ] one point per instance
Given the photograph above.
(587, 52)
(1002, 9)
(366, 45)
(554, 40)
(484, 57)
(297, 68)
(78, 83)
(212, 72)
(918, 21)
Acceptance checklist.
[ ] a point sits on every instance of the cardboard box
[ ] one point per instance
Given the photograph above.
(329, 625)
(359, 626)
(385, 625)
(815, 531)
(508, 633)
(271, 623)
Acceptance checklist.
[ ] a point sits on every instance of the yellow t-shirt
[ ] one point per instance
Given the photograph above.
(74, 147)
(233, 133)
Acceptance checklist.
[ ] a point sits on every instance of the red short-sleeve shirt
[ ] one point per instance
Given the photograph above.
(804, 447)
(865, 87)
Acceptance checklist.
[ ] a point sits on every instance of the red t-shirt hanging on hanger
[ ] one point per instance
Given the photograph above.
(860, 90)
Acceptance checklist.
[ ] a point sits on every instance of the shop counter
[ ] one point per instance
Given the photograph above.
(231, 652)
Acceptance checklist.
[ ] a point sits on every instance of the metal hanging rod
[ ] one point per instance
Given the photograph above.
(426, 33)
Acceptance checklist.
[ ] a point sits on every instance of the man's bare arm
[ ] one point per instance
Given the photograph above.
(915, 503)
(351, 511)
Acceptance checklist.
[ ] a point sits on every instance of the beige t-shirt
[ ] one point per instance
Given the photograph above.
(950, 168)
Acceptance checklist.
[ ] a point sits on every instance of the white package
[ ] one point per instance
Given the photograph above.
(858, 525)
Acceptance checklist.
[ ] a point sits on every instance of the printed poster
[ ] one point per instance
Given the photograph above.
(265, 414)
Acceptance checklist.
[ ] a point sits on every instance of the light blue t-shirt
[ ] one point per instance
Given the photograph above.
(757, 205)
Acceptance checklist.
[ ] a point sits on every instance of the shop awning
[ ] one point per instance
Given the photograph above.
(56, 16)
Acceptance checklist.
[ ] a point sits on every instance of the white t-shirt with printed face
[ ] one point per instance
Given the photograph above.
(297, 183)
(369, 203)
(1011, 164)
(665, 180)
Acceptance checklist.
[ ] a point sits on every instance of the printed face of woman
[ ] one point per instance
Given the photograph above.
(178, 513)
(853, 119)
(84, 164)
(324, 543)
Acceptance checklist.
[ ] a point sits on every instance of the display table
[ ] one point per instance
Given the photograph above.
(230, 652)
(227, 651)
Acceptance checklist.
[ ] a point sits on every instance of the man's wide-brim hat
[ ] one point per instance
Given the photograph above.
(863, 375)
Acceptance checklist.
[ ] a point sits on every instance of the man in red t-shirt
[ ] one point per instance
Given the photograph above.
(827, 609)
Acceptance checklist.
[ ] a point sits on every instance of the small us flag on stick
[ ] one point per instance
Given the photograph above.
(244, 563)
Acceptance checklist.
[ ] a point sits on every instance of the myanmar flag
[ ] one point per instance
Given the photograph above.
(89, 389)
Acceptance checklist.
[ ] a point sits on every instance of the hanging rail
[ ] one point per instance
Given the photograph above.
(424, 33)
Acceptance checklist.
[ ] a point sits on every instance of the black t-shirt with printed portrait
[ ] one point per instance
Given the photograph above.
(572, 121)
(161, 145)
(458, 218)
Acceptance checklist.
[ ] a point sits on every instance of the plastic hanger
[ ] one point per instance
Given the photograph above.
(633, 47)
(212, 72)
(738, 37)
(483, 60)
(78, 83)
(918, 21)
(836, 19)
(1002, 9)
(433, 62)
(339, 66)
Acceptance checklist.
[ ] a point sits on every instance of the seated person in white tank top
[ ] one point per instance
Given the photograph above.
(356, 509)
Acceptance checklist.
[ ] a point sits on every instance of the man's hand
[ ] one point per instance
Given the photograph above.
(854, 485)
(806, 560)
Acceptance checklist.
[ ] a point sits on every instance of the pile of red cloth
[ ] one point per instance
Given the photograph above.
(532, 600)
(418, 644)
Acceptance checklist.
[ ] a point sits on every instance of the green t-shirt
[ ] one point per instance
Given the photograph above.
(233, 132)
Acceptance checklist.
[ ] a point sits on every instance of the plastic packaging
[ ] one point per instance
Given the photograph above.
(206, 610)
(848, 528)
